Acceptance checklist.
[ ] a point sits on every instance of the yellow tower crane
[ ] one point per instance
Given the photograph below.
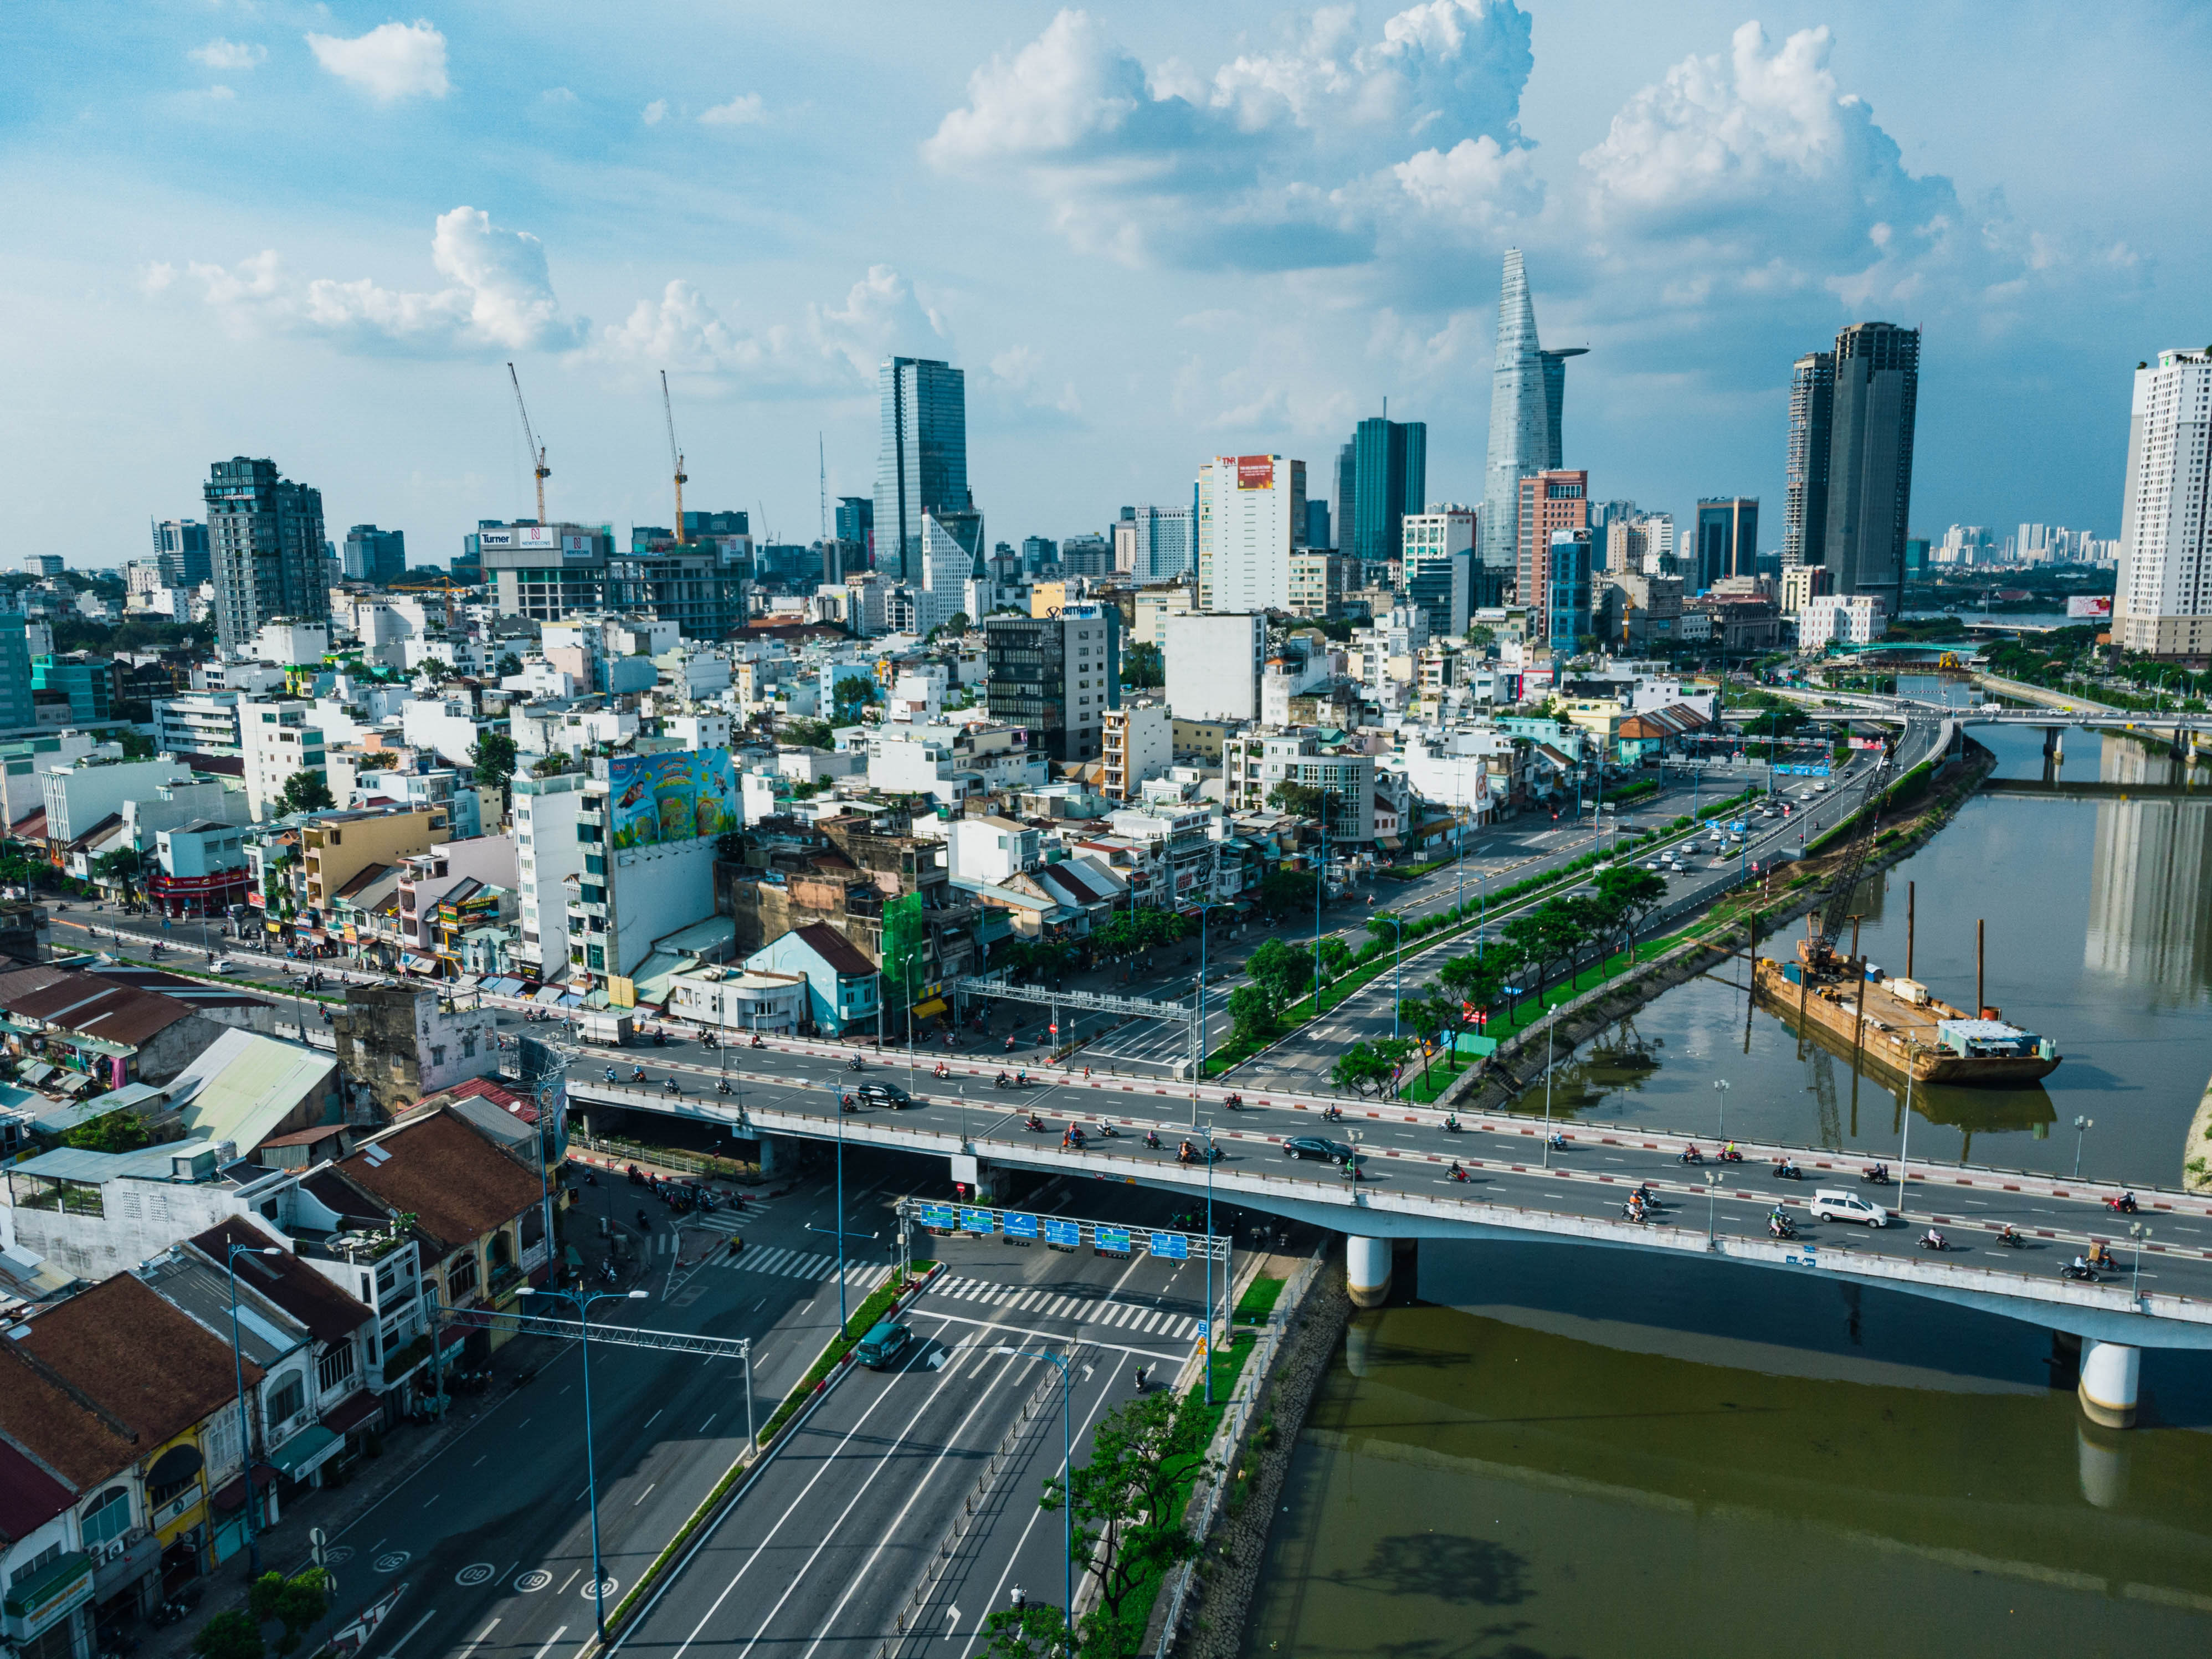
(675, 457)
(536, 449)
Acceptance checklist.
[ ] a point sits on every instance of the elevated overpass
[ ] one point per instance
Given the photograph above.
(1517, 1188)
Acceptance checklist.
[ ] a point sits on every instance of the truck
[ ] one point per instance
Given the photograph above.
(606, 1029)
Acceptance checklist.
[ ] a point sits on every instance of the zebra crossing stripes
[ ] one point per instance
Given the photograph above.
(1047, 1304)
(788, 1263)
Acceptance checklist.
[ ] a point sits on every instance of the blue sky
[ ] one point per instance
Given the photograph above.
(1149, 233)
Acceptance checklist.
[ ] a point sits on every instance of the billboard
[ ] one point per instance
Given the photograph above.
(1255, 472)
(654, 800)
(2094, 607)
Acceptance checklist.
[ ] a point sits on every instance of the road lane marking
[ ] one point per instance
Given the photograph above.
(392, 1651)
(550, 1641)
(478, 1642)
(647, 1493)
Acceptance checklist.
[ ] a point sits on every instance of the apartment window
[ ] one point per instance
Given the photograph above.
(288, 1400)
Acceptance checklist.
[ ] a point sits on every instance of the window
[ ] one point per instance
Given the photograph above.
(438, 1053)
(45, 1558)
(106, 1517)
(288, 1398)
(461, 1277)
(335, 1369)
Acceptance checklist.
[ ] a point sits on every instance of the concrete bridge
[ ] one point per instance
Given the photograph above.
(1515, 1187)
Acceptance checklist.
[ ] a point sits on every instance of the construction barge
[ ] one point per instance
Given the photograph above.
(1894, 1028)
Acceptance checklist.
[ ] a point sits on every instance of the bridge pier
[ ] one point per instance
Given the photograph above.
(779, 1155)
(2110, 1372)
(1367, 1270)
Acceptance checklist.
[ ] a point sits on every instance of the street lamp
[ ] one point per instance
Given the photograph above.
(583, 1300)
(2081, 1127)
(2140, 1233)
(1198, 1070)
(1207, 1131)
(238, 1374)
(1067, 1474)
(1397, 993)
(1712, 1195)
(1551, 1031)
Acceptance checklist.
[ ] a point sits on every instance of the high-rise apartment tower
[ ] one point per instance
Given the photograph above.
(922, 466)
(266, 544)
(2163, 606)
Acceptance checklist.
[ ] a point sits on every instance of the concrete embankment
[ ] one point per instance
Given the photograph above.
(1494, 1087)
(2196, 1149)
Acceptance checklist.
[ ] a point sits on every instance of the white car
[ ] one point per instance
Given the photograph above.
(1841, 1204)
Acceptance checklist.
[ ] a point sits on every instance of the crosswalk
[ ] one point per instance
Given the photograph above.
(1057, 1305)
(799, 1264)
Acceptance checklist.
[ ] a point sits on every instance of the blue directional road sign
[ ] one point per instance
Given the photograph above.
(1066, 1233)
(1173, 1245)
(1113, 1239)
(1015, 1225)
(975, 1221)
(940, 1216)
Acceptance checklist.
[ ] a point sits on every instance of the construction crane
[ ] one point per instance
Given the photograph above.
(1818, 948)
(675, 456)
(536, 449)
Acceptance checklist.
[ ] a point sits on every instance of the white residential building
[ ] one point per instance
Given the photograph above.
(1154, 606)
(945, 568)
(1214, 666)
(1251, 517)
(277, 743)
(991, 850)
(1137, 745)
(78, 797)
(1839, 619)
(2163, 604)
(548, 859)
(1439, 565)
(293, 644)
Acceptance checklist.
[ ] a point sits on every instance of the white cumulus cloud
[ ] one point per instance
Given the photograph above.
(744, 111)
(220, 54)
(1281, 159)
(499, 296)
(655, 112)
(392, 61)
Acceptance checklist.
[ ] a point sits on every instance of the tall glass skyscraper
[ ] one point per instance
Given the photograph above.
(1870, 459)
(922, 466)
(1527, 396)
(1387, 478)
(1805, 506)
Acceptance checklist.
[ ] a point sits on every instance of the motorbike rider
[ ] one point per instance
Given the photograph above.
(1933, 1240)
(1455, 1173)
(1036, 1122)
(1153, 1139)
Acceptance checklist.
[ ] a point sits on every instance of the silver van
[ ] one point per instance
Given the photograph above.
(1841, 1204)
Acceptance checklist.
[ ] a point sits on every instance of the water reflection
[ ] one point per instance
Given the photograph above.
(2150, 894)
(1585, 1452)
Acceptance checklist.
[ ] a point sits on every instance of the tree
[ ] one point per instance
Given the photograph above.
(1032, 1631)
(1286, 973)
(296, 1603)
(119, 1131)
(378, 759)
(1633, 894)
(118, 866)
(1142, 665)
(550, 765)
(1426, 1015)
(508, 664)
(493, 755)
(232, 1635)
(1128, 1501)
(1284, 891)
(305, 791)
(435, 670)
(1305, 800)
(807, 734)
(853, 691)
(1252, 1014)
(1361, 1069)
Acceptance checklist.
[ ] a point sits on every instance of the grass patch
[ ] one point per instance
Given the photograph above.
(1258, 1302)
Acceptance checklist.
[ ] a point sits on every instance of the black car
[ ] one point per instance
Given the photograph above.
(885, 1094)
(1328, 1151)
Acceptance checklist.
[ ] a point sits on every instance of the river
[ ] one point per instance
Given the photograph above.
(2097, 915)
(1547, 1450)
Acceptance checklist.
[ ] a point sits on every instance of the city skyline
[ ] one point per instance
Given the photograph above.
(1698, 201)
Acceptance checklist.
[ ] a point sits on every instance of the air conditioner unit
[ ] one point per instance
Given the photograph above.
(115, 1550)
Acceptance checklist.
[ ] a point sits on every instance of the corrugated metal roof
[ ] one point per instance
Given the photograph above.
(242, 1086)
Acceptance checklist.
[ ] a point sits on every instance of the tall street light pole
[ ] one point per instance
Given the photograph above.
(1398, 989)
(1067, 1473)
(583, 1300)
(1721, 1089)
(245, 1420)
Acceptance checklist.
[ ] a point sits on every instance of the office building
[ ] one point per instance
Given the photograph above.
(1389, 478)
(1567, 589)
(946, 569)
(921, 467)
(1549, 502)
(1805, 503)
(1319, 537)
(94, 685)
(1803, 583)
(1829, 619)
(1871, 459)
(1915, 556)
(2163, 602)
(1086, 555)
(1213, 663)
(1319, 582)
(1153, 544)
(266, 544)
(1057, 677)
(374, 555)
(1527, 392)
(552, 572)
(856, 521)
(1251, 518)
(1728, 540)
(180, 552)
(1440, 552)
(18, 710)
(44, 564)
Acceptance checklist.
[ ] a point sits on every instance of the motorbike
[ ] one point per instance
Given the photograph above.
(1153, 1139)
(1788, 1171)
(637, 1074)
(853, 1064)
(943, 1070)
(610, 1074)
(2101, 1258)
(845, 1103)
(636, 1176)
(1781, 1227)
(1558, 1143)
(1455, 1173)
(2123, 1205)
(1645, 1196)
(607, 1272)
(1072, 1138)
(2010, 1236)
(1729, 1155)
(1234, 1102)
(1002, 1081)
(1009, 1045)
(1332, 1115)
(1451, 1124)
(1034, 1124)
(707, 1040)
(2077, 1269)
(1875, 1175)
(1107, 1131)
(661, 1039)
(671, 1087)
(1632, 1211)
(1185, 1153)
(1689, 1155)
(757, 1043)
(721, 1085)
(1932, 1240)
